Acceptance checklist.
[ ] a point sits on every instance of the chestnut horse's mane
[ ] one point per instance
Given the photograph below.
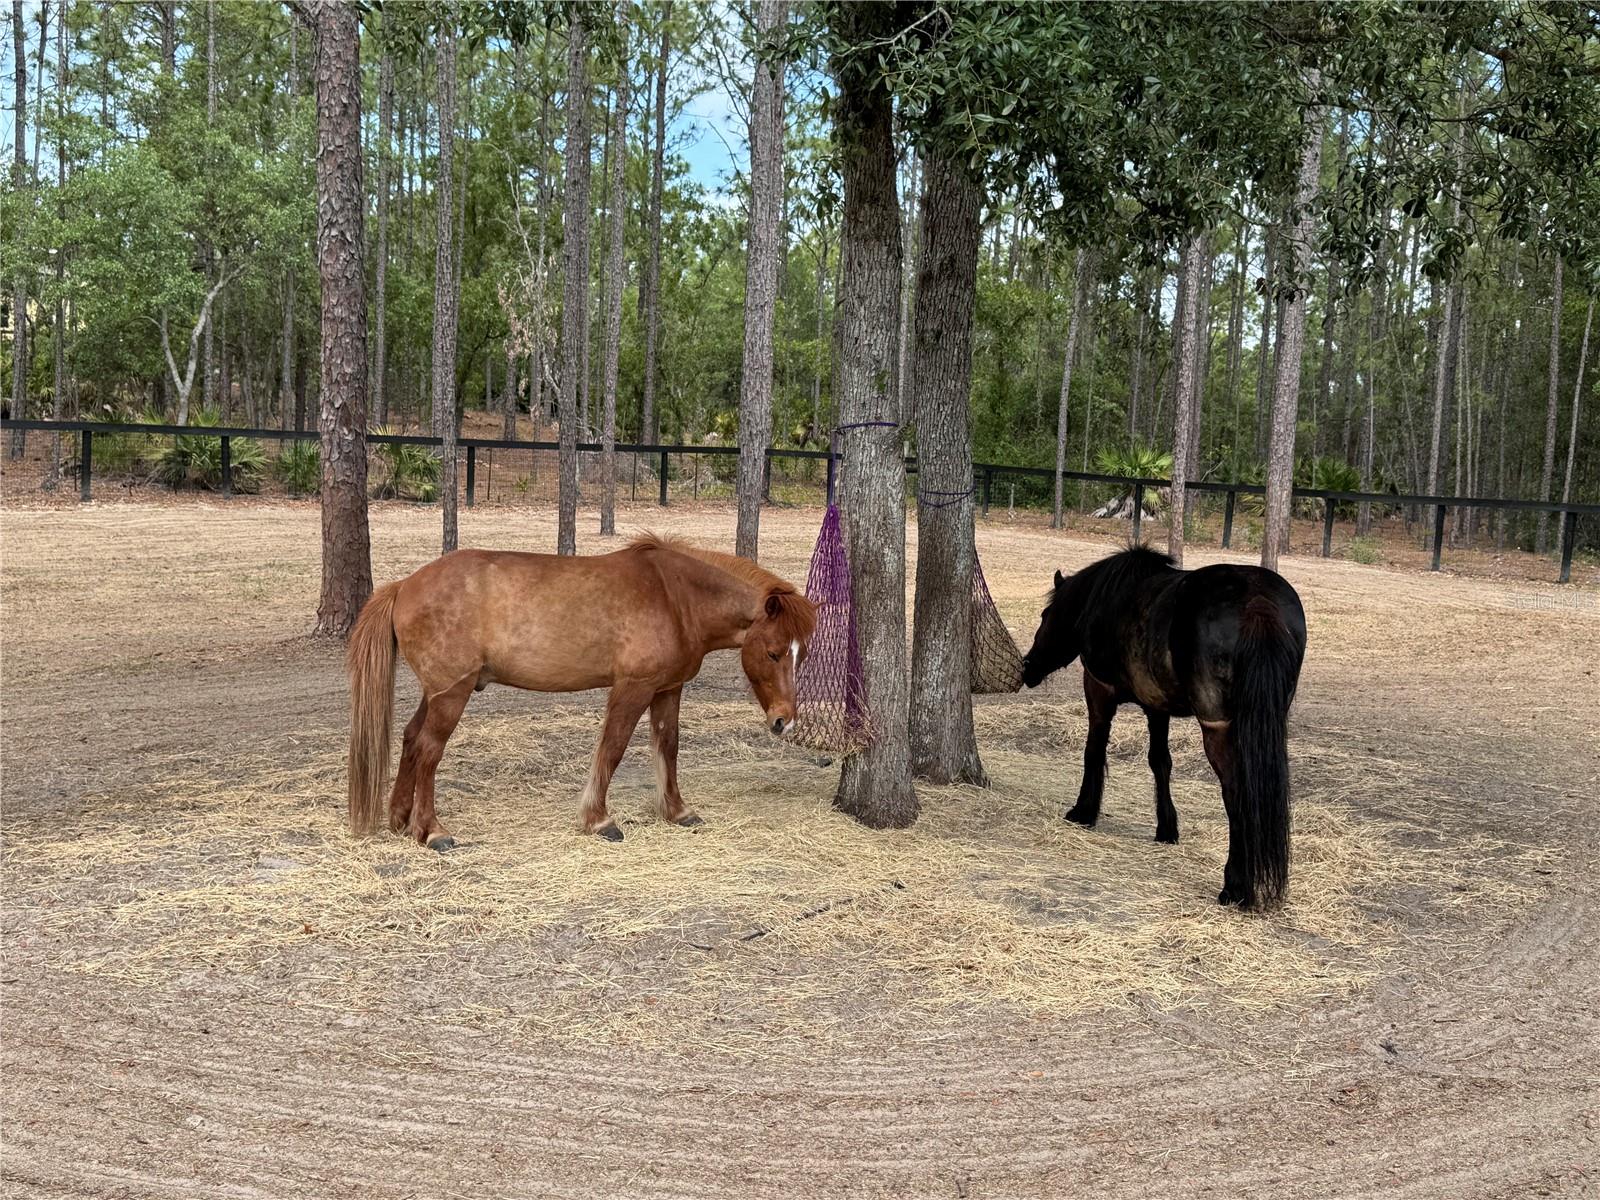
(796, 613)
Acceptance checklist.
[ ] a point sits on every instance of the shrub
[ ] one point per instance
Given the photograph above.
(411, 472)
(300, 467)
(195, 460)
(1364, 550)
(127, 453)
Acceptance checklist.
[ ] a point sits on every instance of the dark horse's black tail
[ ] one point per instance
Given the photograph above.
(1266, 668)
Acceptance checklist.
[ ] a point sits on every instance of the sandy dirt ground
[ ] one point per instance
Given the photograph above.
(209, 990)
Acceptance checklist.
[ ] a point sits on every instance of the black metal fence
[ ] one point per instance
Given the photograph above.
(796, 476)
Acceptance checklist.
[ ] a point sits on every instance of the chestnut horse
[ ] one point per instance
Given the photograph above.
(638, 621)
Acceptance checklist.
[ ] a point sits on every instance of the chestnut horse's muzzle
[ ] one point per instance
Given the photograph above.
(779, 724)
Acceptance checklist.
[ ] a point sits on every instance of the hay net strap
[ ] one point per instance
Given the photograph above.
(831, 707)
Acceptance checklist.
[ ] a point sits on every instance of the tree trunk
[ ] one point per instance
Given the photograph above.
(508, 405)
(446, 285)
(944, 746)
(342, 416)
(1291, 341)
(19, 181)
(1541, 540)
(1080, 287)
(1135, 384)
(1236, 340)
(1264, 355)
(1196, 257)
(58, 399)
(380, 357)
(648, 419)
(614, 281)
(761, 275)
(575, 265)
(1572, 433)
(874, 785)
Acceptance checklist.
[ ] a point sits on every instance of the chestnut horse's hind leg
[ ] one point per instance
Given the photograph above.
(405, 780)
(1161, 768)
(1102, 704)
(664, 750)
(624, 707)
(439, 717)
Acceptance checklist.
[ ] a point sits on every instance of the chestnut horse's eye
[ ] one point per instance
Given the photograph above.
(774, 656)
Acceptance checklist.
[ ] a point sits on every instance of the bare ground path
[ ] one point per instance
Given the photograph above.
(143, 641)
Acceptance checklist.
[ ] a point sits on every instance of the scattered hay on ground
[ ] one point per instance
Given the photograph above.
(778, 922)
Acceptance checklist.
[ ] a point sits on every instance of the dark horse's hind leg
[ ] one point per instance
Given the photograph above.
(442, 712)
(1219, 750)
(1101, 701)
(405, 780)
(1161, 768)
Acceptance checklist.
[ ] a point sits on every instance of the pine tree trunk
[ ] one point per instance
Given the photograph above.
(1572, 433)
(1080, 286)
(649, 421)
(508, 404)
(944, 746)
(1196, 256)
(380, 358)
(1269, 285)
(874, 785)
(1541, 540)
(19, 181)
(342, 417)
(575, 265)
(1236, 337)
(762, 260)
(1291, 341)
(58, 399)
(614, 282)
(446, 286)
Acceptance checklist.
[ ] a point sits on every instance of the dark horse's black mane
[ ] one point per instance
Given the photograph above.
(1108, 576)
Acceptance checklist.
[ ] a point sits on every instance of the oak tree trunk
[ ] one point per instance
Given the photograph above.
(761, 275)
(944, 747)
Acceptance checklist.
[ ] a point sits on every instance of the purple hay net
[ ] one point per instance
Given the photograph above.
(996, 661)
(831, 707)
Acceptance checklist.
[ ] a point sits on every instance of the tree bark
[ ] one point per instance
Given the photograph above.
(875, 785)
(1572, 433)
(1291, 341)
(1541, 540)
(944, 746)
(1195, 259)
(614, 281)
(380, 357)
(762, 260)
(508, 405)
(446, 284)
(575, 265)
(58, 399)
(1080, 285)
(342, 416)
(648, 418)
(19, 181)
(1264, 355)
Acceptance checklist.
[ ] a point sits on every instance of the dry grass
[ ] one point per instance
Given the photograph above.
(778, 922)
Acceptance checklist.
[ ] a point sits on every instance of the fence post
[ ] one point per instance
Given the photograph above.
(1227, 519)
(1569, 521)
(833, 468)
(1327, 528)
(663, 479)
(227, 467)
(85, 464)
(766, 479)
(633, 488)
(1138, 509)
(472, 474)
(1438, 534)
(988, 485)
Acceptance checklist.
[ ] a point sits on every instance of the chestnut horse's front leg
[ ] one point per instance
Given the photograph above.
(624, 706)
(664, 749)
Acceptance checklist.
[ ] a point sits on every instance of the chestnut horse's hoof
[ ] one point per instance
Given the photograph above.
(442, 844)
(689, 821)
(610, 832)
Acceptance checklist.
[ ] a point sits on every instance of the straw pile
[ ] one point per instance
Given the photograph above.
(778, 922)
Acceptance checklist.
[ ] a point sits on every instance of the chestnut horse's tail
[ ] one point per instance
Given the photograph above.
(370, 662)
(1266, 668)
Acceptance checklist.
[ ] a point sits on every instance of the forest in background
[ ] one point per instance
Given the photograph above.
(161, 225)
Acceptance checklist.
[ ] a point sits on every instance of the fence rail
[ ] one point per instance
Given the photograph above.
(984, 475)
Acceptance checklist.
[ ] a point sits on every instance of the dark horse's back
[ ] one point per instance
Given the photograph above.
(1217, 618)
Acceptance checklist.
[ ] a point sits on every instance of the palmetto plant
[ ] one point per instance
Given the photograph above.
(1134, 462)
(195, 459)
(411, 472)
(300, 466)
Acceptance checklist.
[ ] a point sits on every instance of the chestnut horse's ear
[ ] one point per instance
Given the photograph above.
(1060, 578)
(774, 606)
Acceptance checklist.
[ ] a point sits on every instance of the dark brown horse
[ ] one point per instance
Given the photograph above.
(638, 621)
(1222, 644)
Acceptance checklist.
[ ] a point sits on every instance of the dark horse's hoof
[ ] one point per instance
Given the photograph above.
(442, 844)
(1239, 899)
(689, 821)
(610, 832)
(1078, 817)
(1167, 837)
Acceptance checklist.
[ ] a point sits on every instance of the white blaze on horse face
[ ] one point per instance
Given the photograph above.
(794, 653)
